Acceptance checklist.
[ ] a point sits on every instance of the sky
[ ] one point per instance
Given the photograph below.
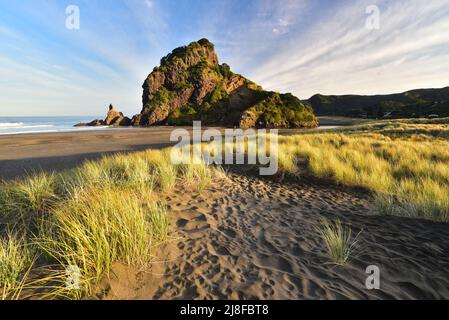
(48, 67)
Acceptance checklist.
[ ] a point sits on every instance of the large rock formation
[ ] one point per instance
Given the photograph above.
(115, 118)
(190, 84)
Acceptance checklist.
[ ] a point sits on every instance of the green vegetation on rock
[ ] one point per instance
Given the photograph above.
(279, 111)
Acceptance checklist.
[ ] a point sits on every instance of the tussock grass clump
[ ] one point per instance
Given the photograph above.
(199, 176)
(193, 171)
(158, 219)
(129, 170)
(28, 199)
(117, 170)
(338, 240)
(165, 176)
(100, 227)
(16, 259)
(164, 171)
(430, 200)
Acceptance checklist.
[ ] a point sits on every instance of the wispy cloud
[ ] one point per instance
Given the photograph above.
(340, 55)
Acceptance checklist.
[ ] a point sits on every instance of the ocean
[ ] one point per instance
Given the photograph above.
(21, 125)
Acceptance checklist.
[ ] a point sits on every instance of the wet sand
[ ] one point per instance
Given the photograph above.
(24, 153)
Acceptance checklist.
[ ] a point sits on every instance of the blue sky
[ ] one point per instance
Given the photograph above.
(299, 46)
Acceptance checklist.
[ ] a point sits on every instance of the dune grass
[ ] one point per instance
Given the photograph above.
(89, 218)
(419, 128)
(16, 260)
(100, 227)
(27, 199)
(408, 174)
(338, 239)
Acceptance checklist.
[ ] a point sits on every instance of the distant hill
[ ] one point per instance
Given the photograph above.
(414, 103)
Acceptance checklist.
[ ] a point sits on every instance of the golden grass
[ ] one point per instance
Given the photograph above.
(27, 199)
(438, 128)
(16, 260)
(100, 227)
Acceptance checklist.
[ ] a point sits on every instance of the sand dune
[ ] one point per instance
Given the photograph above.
(256, 239)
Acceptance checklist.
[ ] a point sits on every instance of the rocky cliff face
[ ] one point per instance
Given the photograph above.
(190, 84)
